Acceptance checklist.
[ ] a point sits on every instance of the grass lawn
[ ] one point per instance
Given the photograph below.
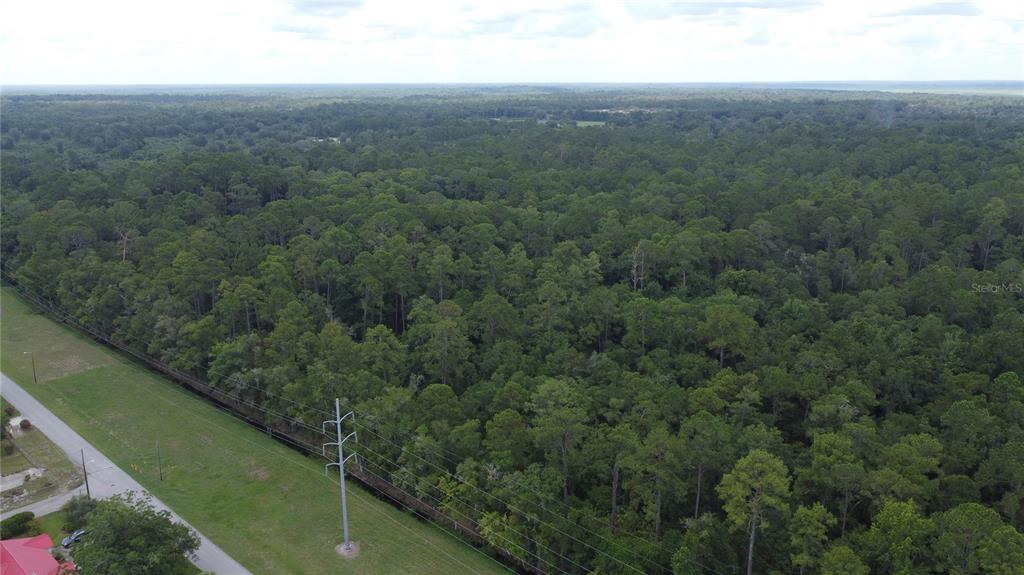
(16, 462)
(270, 508)
(33, 449)
(11, 460)
(52, 525)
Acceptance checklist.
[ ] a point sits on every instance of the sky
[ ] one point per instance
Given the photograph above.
(520, 41)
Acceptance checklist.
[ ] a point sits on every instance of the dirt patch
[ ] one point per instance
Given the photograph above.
(16, 479)
(351, 553)
(259, 474)
(66, 365)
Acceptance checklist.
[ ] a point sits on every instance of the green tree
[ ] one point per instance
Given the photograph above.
(440, 268)
(961, 531)
(808, 534)
(507, 439)
(898, 537)
(834, 473)
(990, 228)
(841, 560)
(127, 536)
(707, 442)
(757, 486)
(909, 469)
(1002, 552)
(655, 482)
(383, 354)
(726, 327)
(558, 427)
(1003, 472)
(622, 441)
(492, 318)
(440, 334)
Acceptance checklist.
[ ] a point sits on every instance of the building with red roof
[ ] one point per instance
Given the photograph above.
(28, 556)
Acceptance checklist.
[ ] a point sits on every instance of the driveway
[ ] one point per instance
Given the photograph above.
(105, 478)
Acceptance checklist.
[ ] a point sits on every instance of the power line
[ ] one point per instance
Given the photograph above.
(509, 505)
(440, 504)
(67, 318)
(310, 448)
(446, 531)
(303, 446)
(307, 447)
(618, 547)
(411, 496)
(355, 493)
(440, 451)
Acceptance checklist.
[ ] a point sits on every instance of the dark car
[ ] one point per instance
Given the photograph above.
(73, 538)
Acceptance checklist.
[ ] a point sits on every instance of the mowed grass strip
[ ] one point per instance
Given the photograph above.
(28, 337)
(269, 507)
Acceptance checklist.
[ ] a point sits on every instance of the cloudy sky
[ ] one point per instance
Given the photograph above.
(355, 41)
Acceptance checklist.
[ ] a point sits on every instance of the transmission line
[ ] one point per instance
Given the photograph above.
(438, 451)
(508, 505)
(464, 514)
(369, 417)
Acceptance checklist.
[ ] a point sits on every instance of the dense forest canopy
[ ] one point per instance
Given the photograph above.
(616, 330)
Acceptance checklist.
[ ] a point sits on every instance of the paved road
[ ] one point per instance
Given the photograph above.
(105, 478)
(46, 506)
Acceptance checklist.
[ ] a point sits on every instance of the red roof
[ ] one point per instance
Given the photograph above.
(27, 556)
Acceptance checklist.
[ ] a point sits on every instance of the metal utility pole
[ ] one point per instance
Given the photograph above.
(86, 473)
(338, 418)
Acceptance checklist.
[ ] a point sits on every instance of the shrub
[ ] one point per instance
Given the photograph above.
(9, 410)
(18, 525)
(8, 448)
(75, 511)
(25, 424)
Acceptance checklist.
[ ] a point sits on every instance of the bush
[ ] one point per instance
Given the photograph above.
(8, 448)
(18, 525)
(25, 424)
(9, 410)
(75, 511)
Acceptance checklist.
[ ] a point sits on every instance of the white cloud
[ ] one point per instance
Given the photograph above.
(938, 9)
(338, 41)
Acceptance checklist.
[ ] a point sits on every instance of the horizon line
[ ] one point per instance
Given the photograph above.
(518, 83)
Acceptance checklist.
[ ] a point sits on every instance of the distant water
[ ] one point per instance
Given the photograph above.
(1000, 87)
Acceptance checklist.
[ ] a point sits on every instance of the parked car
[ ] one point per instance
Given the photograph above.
(73, 538)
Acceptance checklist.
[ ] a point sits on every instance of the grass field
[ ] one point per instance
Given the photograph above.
(269, 507)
